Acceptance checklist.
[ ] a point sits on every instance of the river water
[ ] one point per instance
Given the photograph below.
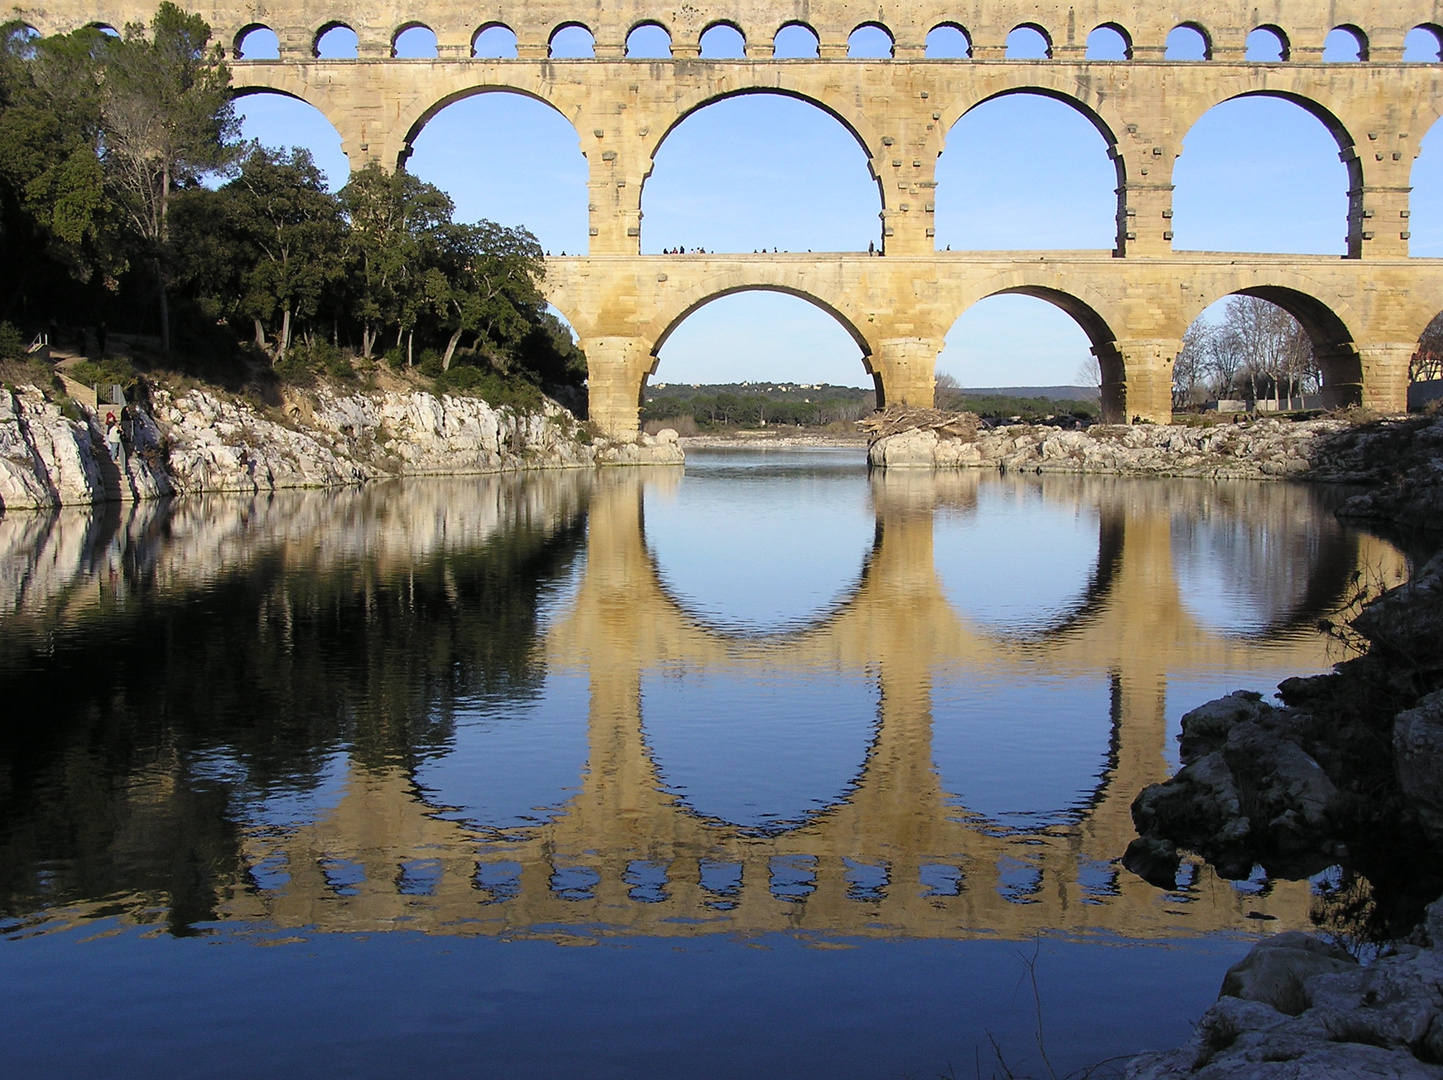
(773, 768)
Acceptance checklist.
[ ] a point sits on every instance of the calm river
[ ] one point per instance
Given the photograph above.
(768, 769)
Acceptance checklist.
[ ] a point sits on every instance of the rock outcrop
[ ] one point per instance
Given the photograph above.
(197, 440)
(1297, 1008)
(1330, 448)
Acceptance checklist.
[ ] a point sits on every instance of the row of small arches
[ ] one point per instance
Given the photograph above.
(869, 41)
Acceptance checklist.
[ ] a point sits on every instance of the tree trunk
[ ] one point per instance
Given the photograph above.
(260, 333)
(451, 349)
(164, 308)
(368, 341)
(285, 340)
(410, 340)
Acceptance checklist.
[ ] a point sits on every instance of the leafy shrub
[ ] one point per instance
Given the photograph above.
(492, 388)
(302, 363)
(112, 369)
(12, 345)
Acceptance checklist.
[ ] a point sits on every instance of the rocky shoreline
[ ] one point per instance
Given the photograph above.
(1346, 772)
(195, 441)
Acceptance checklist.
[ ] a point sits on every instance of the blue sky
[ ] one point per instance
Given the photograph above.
(1256, 174)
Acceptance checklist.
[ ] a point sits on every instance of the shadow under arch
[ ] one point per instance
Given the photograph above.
(1109, 137)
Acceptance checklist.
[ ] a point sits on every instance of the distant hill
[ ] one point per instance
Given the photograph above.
(1053, 393)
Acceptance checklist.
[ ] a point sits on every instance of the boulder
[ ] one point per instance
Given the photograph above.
(1406, 624)
(1274, 971)
(1418, 756)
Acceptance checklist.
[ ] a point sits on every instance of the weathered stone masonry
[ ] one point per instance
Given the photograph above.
(1364, 311)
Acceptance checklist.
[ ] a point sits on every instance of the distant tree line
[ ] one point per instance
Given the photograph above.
(107, 145)
(710, 408)
(1008, 407)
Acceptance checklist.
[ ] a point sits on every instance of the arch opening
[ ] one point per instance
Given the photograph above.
(336, 41)
(723, 41)
(1423, 45)
(760, 169)
(796, 41)
(870, 41)
(279, 120)
(948, 41)
(1269, 348)
(648, 41)
(414, 42)
(1027, 336)
(257, 42)
(1029, 42)
(1188, 41)
(539, 184)
(1109, 42)
(1425, 203)
(1261, 172)
(494, 42)
(1425, 369)
(571, 41)
(1345, 45)
(1267, 45)
(1065, 199)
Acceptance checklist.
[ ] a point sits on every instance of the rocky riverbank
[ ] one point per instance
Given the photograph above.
(1347, 772)
(189, 441)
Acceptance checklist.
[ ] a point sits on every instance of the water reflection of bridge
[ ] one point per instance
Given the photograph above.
(890, 857)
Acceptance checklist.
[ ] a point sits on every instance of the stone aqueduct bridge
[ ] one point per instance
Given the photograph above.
(897, 628)
(1364, 312)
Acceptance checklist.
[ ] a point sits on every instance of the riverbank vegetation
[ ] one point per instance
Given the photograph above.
(131, 213)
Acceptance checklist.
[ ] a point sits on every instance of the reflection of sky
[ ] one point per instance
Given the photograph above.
(514, 763)
(1238, 575)
(1017, 562)
(1020, 748)
(758, 750)
(750, 542)
(302, 802)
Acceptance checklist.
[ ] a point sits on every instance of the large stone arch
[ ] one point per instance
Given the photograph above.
(420, 119)
(680, 306)
(1037, 81)
(1198, 106)
(786, 85)
(1328, 319)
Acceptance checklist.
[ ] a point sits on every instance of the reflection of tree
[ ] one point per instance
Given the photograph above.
(1268, 542)
(130, 739)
